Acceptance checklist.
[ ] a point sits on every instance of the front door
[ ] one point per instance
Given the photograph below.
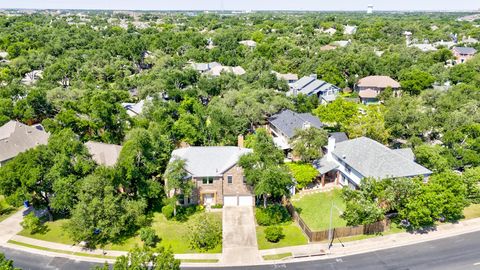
(208, 199)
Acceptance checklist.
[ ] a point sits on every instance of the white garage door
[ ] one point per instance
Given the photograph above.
(230, 200)
(237, 201)
(245, 201)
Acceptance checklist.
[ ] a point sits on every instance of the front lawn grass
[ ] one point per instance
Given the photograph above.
(314, 209)
(293, 237)
(172, 234)
(472, 211)
(54, 232)
(277, 256)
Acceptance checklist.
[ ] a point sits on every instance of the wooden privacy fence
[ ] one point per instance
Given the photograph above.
(317, 236)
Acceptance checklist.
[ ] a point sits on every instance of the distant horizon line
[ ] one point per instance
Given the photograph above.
(245, 10)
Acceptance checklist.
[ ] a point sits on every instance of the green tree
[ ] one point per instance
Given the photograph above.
(471, 178)
(148, 259)
(307, 143)
(101, 214)
(177, 181)
(204, 232)
(338, 113)
(432, 157)
(303, 174)
(264, 168)
(149, 237)
(371, 124)
(6, 264)
(137, 166)
(415, 80)
(31, 223)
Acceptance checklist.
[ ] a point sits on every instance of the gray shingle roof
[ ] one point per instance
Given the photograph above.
(339, 136)
(406, 153)
(104, 154)
(209, 160)
(16, 138)
(309, 85)
(287, 121)
(465, 50)
(372, 159)
(304, 81)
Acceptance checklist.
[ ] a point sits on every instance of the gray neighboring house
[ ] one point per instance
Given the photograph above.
(104, 154)
(310, 85)
(134, 109)
(216, 176)
(282, 126)
(347, 163)
(16, 137)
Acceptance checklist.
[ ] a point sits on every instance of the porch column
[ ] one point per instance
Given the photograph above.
(323, 180)
(337, 178)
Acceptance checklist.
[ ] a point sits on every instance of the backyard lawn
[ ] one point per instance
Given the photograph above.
(293, 237)
(171, 233)
(314, 209)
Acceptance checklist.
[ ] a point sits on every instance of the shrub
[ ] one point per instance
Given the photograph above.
(167, 211)
(32, 223)
(148, 236)
(272, 215)
(217, 206)
(205, 232)
(273, 234)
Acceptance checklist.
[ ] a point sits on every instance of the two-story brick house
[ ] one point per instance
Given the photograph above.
(370, 87)
(463, 54)
(216, 175)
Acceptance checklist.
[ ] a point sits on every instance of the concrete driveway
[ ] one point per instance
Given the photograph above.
(11, 226)
(239, 236)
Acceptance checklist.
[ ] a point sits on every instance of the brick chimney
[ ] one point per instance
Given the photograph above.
(240, 141)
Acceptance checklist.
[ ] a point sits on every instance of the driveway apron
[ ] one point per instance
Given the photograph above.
(239, 236)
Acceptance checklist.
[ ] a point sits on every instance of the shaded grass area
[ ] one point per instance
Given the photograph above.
(6, 209)
(314, 209)
(199, 260)
(60, 251)
(293, 237)
(172, 234)
(277, 256)
(54, 232)
(472, 211)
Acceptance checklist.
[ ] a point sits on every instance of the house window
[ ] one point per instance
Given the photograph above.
(207, 180)
(230, 179)
(181, 199)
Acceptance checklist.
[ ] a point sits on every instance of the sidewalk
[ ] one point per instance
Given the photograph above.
(376, 243)
(11, 226)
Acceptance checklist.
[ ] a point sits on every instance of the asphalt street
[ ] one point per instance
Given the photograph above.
(454, 253)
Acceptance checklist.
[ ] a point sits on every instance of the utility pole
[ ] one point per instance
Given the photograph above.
(330, 232)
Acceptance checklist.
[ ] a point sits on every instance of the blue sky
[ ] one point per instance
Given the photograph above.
(245, 4)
